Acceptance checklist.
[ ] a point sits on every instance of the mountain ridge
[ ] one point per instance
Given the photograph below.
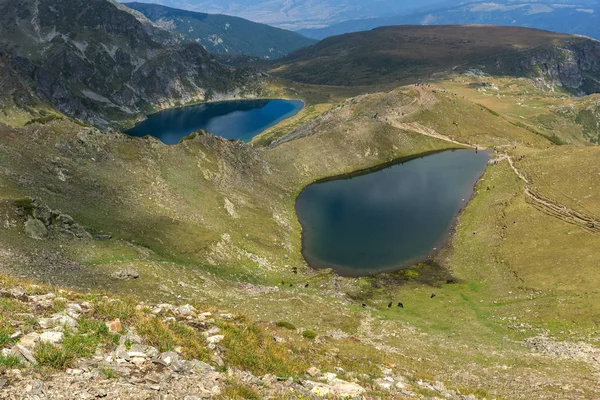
(223, 34)
(564, 17)
(387, 55)
(100, 65)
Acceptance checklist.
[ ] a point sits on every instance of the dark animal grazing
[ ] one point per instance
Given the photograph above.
(306, 285)
(291, 285)
(432, 295)
(363, 305)
(282, 282)
(390, 305)
(400, 305)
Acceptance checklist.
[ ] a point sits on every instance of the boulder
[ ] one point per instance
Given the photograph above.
(126, 274)
(30, 340)
(35, 229)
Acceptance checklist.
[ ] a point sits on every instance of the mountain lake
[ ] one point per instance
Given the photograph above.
(240, 119)
(387, 219)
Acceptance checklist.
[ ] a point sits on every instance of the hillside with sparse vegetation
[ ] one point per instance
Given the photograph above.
(134, 269)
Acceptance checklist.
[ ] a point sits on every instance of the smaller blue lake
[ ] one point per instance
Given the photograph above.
(243, 119)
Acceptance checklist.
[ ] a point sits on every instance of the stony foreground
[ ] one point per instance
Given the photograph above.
(130, 369)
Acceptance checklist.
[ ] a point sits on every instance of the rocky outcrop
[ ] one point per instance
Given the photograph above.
(572, 64)
(97, 63)
(40, 222)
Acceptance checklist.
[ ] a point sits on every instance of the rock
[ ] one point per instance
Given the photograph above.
(278, 339)
(35, 229)
(130, 338)
(74, 308)
(149, 351)
(36, 387)
(313, 371)
(59, 319)
(134, 354)
(346, 389)
(30, 340)
(186, 310)
(126, 274)
(212, 331)
(25, 353)
(52, 337)
(18, 293)
(114, 326)
(329, 376)
(215, 339)
(384, 384)
(169, 356)
(179, 366)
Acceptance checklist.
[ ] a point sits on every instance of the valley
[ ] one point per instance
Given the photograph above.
(508, 309)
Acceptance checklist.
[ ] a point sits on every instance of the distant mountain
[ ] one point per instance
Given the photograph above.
(402, 54)
(98, 63)
(298, 14)
(223, 34)
(577, 17)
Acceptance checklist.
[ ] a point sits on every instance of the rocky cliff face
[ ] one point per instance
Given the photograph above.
(97, 63)
(572, 64)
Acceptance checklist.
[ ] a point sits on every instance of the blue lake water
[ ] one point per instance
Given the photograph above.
(243, 119)
(388, 219)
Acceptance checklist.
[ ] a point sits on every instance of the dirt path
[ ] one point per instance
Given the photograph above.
(545, 205)
(552, 208)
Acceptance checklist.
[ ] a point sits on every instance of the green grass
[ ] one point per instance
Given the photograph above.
(9, 362)
(286, 325)
(156, 333)
(50, 355)
(310, 335)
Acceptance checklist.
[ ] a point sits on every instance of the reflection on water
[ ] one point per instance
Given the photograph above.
(229, 119)
(387, 219)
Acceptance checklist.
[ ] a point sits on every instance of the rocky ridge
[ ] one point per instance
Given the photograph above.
(99, 64)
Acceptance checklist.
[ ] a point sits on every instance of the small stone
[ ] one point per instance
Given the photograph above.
(19, 293)
(212, 331)
(169, 356)
(279, 339)
(27, 355)
(313, 371)
(126, 274)
(130, 338)
(149, 351)
(74, 371)
(329, 376)
(30, 340)
(36, 387)
(138, 361)
(52, 337)
(134, 354)
(215, 339)
(114, 326)
(186, 310)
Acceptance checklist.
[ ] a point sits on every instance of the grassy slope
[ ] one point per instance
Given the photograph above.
(168, 217)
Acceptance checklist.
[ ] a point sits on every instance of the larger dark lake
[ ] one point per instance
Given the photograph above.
(388, 219)
(241, 120)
